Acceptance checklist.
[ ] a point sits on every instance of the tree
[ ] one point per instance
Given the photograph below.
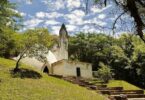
(10, 22)
(33, 43)
(134, 8)
(7, 43)
(9, 17)
(90, 47)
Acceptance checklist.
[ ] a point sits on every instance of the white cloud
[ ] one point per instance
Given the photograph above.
(98, 22)
(29, 2)
(45, 2)
(73, 4)
(61, 4)
(79, 13)
(53, 15)
(101, 16)
(75, 17)
(54, 4)
(51, 22)
(40, 14)
(55, 29)
(50, 15)
(95, 10)
(32, 23)
(70, 27)
(23, 14)
(71, 16)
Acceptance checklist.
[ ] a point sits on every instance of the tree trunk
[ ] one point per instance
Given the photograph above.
(16, 69)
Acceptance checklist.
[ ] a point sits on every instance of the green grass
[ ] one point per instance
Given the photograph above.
(124, 84)
(117, 83)
(31, 87)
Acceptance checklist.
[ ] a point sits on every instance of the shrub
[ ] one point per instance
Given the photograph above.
(104, 73)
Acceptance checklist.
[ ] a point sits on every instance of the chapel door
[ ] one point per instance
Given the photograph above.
(78, 71)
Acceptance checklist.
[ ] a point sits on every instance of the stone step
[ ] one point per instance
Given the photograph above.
(101, 86)
(110, 88)
(83, 85)
(105, 92)
(127, 92)
(117, 97)
(136, 99)
(135, 95)
(136, 91)
(86, 82)
(92, 87)
(109, 92)
(124, 96)
(116, 93)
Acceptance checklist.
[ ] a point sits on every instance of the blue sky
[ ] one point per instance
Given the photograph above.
(52, 13)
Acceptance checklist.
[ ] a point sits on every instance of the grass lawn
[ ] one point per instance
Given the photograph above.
(34, 85)
(124, 84)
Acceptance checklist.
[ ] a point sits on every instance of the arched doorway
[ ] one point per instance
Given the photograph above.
(46, 70)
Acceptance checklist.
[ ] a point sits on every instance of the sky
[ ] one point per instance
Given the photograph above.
(52, 14)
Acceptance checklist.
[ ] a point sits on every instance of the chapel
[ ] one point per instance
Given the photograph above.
(58, 62)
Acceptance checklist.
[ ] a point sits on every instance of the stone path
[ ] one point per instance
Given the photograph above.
(114, 93)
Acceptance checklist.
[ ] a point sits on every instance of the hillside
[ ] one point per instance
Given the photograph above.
(33, 85)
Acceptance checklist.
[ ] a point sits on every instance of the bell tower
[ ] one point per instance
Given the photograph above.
(63, 43)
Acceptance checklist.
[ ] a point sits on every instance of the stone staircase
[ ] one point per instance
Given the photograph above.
(114, 93)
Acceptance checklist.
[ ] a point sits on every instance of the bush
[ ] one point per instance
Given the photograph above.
(104, 73)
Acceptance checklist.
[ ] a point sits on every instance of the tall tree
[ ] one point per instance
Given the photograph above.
(10, 21)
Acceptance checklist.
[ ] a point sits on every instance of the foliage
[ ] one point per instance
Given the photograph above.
(39, 89)
(10, 22)
(7, 43)
(104, 72)
(33, 43)
(9, 17)
(124, 54)
(80, 44)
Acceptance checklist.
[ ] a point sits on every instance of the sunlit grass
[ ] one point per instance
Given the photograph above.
(121, 83)
(44, 88)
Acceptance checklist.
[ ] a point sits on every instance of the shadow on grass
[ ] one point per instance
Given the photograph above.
(25, 73)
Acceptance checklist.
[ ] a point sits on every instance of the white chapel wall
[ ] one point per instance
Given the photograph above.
(85, 68)
(58, 69)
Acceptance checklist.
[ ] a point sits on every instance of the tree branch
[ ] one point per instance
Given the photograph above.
(105, 2)
(132, 8)
(113, 27)
(140, 2)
